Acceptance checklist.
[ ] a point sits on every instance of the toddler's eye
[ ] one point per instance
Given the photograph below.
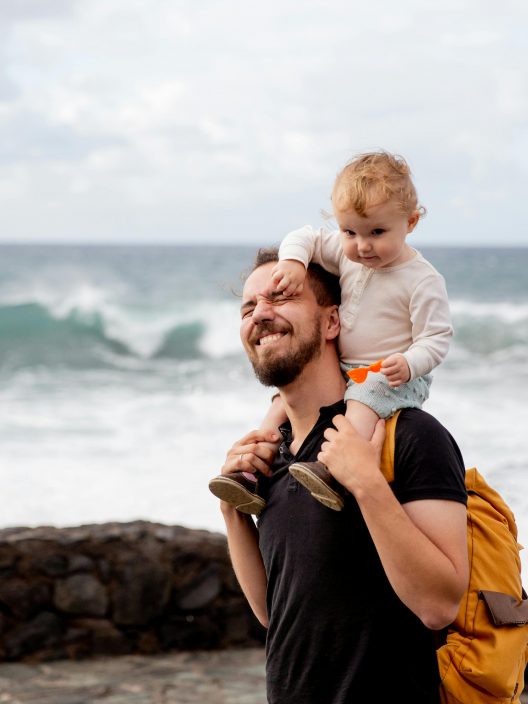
(378, 231)
(349, 233)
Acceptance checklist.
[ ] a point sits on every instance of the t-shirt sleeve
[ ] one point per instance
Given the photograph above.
(428, 463)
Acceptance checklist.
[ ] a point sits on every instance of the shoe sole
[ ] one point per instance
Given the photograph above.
(317, 487)
(233, 493)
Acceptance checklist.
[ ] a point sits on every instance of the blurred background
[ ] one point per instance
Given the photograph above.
(148, 148)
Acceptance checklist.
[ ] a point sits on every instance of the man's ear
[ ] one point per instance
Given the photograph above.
(333, 325)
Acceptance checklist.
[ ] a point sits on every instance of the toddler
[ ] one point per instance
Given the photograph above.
(394, 307)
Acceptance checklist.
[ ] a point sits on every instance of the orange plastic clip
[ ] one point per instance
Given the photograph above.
(360, 373)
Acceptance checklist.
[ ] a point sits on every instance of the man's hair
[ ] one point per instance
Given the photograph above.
(374, 178)
(324, 285)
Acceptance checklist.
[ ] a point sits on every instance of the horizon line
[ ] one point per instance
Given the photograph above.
(252, 245)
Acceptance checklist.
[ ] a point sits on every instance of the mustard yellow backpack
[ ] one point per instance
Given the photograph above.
(486, 649)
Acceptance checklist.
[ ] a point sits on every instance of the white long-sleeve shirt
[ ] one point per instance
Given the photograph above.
(403, 308)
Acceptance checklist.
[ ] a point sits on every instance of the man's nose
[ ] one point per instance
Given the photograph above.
(263, 311)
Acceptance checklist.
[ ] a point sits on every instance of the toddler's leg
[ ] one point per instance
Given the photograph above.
(315, 477)
(362, 417)
(275, 417)
(361, 400)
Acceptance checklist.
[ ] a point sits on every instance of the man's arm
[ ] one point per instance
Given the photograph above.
(242, 540)
(422, 545)
(248, 454)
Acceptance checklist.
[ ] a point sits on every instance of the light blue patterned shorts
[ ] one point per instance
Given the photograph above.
(376, 393)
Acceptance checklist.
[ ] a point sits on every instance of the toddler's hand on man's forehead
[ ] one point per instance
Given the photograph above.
(288, 277)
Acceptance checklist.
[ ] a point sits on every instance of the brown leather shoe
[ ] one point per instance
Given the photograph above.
(239, 491)
(315, 477)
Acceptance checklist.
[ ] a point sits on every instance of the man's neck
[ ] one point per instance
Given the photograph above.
(306, 395)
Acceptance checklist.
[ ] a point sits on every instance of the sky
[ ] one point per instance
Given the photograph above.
(226, 121)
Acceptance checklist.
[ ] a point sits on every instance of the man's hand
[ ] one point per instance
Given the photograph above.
(288, 277)
(396, 369)
(251, 454)
(351, 459)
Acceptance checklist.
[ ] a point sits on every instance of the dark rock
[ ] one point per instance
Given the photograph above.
(104, 637)
(148, 643)
(24, 599)
(74, 634)
(52, 565)
(204, 589)
(8, 560)
(80, 563)
(105, 570)
(81, 594)
(190, 632)
(140, 592)
(44, 630)
(237, 622)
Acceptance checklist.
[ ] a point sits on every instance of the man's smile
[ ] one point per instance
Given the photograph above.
(270, 338)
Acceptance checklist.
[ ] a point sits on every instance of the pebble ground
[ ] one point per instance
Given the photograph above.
(216, 677)
(212, 677)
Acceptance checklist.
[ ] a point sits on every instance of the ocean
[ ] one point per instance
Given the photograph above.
(123, 382)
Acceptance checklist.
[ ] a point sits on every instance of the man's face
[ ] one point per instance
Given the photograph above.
(280, 335)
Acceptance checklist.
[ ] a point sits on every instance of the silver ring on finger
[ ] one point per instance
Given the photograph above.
(242, 457)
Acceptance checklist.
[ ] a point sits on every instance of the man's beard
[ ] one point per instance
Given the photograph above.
(280, 371)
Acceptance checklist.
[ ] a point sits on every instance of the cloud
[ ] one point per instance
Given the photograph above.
(17, 10)
(152, 120)
(27, 137)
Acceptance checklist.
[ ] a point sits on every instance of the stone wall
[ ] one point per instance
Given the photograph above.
(118, 588)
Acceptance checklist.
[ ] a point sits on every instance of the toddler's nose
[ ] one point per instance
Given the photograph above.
(364, 246)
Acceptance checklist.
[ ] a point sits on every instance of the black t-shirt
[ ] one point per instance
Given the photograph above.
(337, 631)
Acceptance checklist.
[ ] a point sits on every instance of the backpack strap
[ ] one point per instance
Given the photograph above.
(387, 451)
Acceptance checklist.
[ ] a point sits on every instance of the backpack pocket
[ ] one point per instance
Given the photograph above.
(492, 660)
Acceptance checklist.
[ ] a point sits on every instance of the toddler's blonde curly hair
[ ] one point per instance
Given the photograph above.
(374, 178)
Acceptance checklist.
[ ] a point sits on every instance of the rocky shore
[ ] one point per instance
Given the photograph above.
(118, 589)
(135, 613)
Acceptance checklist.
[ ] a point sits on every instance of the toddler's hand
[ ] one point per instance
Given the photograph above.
(288, 276)
(396, 369)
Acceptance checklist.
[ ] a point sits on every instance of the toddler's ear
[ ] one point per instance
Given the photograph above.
(413, 221)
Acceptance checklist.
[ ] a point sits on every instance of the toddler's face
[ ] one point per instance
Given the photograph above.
(377, 239)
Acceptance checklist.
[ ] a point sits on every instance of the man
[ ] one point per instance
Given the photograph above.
(350, 598)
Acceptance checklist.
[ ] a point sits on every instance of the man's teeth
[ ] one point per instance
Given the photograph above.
(270, 338)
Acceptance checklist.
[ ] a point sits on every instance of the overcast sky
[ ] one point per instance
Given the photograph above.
(221, 121)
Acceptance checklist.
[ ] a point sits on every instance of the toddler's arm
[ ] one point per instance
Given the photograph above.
(431, 326)
(308, 245)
